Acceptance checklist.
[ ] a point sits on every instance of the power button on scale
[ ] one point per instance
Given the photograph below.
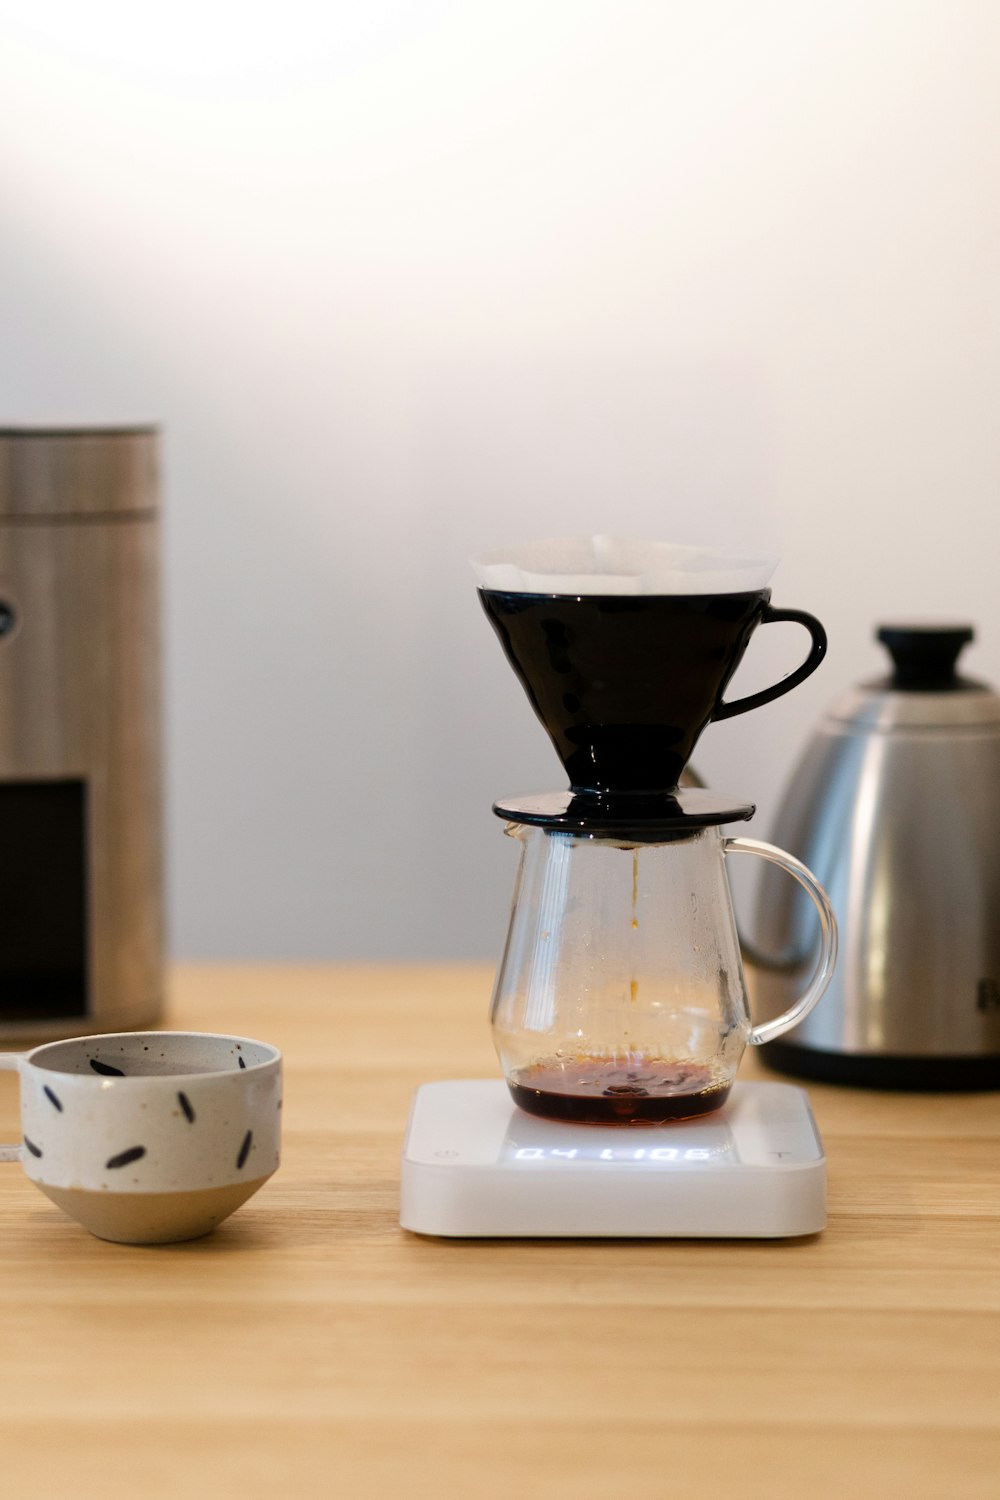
(8, 618)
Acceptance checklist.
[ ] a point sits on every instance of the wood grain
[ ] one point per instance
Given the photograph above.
(311, 1346)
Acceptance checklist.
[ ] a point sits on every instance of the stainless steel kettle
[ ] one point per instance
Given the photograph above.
(895, 806)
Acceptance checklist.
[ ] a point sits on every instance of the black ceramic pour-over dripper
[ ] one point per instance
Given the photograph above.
(624, 684)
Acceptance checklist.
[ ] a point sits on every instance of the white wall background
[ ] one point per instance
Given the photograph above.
(406, 280)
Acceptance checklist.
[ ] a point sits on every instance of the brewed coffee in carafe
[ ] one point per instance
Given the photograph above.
(620, 996)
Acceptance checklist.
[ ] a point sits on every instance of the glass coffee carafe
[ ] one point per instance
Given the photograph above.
(620, 997)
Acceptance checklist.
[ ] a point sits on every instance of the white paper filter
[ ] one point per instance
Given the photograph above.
(618, 565)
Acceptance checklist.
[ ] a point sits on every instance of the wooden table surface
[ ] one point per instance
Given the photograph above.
(311, 1347)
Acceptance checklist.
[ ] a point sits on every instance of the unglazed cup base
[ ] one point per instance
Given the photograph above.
(152, 1218)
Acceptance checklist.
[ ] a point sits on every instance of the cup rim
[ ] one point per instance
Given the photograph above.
(32, 1057)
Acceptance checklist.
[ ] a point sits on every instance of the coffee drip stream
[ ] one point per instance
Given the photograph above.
(620, 996)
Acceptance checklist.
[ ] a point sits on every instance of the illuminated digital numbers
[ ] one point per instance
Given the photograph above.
(538, 1153)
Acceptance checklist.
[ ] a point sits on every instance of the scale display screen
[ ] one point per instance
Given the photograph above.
(531, 1140)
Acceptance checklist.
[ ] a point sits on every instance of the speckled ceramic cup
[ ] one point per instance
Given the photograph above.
(148, 1137)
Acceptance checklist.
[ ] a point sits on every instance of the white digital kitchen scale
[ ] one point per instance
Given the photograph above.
(475, 1165)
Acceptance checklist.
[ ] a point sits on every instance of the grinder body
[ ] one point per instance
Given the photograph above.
(80, 780)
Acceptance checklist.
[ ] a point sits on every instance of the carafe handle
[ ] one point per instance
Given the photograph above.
(768, 1030)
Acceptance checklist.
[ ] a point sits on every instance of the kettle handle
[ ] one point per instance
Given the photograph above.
(768, 1030)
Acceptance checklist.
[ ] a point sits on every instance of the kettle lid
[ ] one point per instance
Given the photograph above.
(924, 656)
(924, 689)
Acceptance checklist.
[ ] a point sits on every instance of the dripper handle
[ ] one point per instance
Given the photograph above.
(768, 1030)
(770, 616)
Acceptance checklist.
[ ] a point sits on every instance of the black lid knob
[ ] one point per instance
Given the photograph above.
(924, 656)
